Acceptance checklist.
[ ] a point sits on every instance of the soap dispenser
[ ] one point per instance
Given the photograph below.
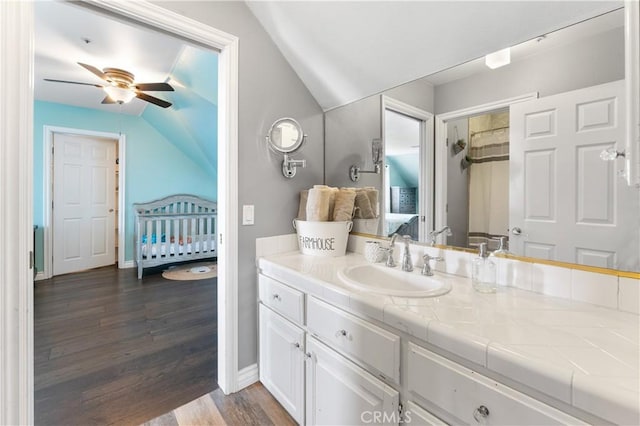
(483, 272)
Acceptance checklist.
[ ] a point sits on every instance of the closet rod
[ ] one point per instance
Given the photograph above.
(489, 130)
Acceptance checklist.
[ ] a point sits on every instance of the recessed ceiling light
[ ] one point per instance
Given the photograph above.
(498, 59)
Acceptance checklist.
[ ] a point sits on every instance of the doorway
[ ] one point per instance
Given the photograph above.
(407, 196)
(17, 345)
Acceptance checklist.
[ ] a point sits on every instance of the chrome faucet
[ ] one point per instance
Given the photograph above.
(434, 234)
(390, 262)
(407, 264)
(426, 268)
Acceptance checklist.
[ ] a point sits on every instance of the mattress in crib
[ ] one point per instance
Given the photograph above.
(173, 249)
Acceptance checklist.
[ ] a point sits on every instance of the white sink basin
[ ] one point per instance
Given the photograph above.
(393, 281)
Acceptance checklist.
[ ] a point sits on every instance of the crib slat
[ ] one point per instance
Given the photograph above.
(200, 233)
(194, 236)
(149, 228)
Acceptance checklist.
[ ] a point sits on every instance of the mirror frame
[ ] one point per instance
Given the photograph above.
(296, 145)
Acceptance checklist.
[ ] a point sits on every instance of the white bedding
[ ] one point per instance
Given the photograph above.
(175, 248)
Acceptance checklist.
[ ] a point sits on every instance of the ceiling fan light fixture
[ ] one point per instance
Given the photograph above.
(498, 59)
(121, 95)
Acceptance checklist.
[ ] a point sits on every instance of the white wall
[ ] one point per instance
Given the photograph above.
(268, 89)
(457, 185)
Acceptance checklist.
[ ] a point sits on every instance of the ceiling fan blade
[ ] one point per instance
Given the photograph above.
(108, 100)
(94, 70)
(153, 100)
(154, 87)
(72, 82)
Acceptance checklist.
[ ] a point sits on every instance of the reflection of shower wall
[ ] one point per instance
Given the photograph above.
(489, 178)
(457, 182)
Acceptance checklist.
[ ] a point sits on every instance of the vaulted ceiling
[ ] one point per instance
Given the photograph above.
(342, 50)
(347, 50)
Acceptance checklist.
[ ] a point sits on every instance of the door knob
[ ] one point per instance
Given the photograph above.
(110, 210)
(516, 231)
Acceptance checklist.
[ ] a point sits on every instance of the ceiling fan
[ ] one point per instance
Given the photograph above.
(121, 86)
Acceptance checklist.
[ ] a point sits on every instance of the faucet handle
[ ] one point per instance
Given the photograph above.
(427, 257)
(426, 267)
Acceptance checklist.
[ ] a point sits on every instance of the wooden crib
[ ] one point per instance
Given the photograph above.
(174, 229)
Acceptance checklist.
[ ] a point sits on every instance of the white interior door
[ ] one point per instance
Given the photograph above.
(83, 202)
(566, 203)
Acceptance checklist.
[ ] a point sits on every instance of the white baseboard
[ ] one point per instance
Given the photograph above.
(248, 376)
(127, 264)
(40, 276)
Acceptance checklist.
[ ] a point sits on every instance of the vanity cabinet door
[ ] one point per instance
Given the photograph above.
(339, 392)
(282, 361)
(415, 415)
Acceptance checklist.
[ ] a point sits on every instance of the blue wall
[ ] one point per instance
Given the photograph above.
(155, 165)
(404, 170)
(191, 122)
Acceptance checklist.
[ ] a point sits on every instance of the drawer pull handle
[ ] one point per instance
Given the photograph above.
(343, 333)
(277, 297)
(480, 414)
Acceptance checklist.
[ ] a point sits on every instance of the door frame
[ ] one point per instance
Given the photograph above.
(49, 132)
(16, 192)
(425, 204)
(442, 152)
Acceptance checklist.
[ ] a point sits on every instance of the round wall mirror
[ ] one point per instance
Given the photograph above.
(285, 135)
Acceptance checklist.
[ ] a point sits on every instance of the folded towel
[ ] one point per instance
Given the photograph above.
(372, 194)
(345, 200)
(332, 201)
(363, 205)
(302, 208)
(318, 204)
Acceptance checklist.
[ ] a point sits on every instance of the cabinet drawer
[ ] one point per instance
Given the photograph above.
(366, 343)
(281, 298)
(462, 392)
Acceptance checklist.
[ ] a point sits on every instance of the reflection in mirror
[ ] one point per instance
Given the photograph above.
(402, 174)
(498, 174)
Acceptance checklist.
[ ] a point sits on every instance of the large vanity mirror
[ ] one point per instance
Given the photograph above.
(526, 151)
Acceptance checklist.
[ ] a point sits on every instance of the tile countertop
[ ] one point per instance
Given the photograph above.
(584, 355)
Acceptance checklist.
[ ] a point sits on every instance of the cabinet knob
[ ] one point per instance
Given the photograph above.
(480, 414)
(296, 345)
(308, 355)
(277, 297)
(343, 333)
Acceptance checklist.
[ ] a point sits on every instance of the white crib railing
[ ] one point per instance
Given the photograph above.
(175, 229)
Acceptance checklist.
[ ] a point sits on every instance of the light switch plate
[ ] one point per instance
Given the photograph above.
(247, 214)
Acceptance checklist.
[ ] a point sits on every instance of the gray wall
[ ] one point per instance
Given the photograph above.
(595, 60)
(457, 185)
(268, 89)
(349, 130)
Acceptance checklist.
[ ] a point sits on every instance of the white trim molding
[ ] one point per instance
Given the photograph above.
(171, 22)
(632, 76)
(426, 159)
(441, 146)
(47, 191)
(248, 376)
(16, 212)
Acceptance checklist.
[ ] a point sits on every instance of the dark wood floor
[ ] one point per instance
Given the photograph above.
(110, 349)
